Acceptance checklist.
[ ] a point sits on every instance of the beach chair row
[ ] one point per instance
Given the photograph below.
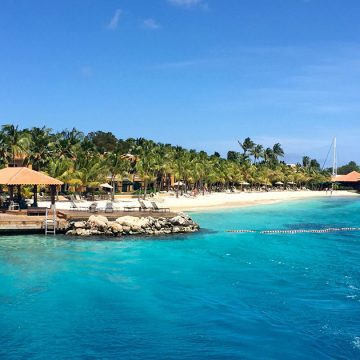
(109, 207)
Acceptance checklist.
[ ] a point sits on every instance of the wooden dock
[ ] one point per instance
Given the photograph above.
(18, 222)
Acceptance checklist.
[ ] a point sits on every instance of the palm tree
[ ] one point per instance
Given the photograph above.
(268, 155)
(215, 172)
(4, 150)
(306, 162)
(146, 161)
(118, 166)
(167, 166)
(257, 152)
(66, 142)
(61, 169)
(314, 165)
(278, 151)
(17, 143)
(41, 147)
(179, 165)
(247, 145)
(201, 167)
(86, 148)
(89, 172)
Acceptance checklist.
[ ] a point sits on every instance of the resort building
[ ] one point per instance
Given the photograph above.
(127, 184)
(351, 180)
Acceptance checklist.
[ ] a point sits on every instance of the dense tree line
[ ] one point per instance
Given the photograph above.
(83, 162)
(348, 168)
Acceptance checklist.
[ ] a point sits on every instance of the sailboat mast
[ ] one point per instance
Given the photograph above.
(334, 170)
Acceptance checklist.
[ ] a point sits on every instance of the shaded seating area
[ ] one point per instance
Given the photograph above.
(16, 177)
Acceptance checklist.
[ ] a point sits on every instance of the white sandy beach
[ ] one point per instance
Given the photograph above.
(215, 201)
(232, 200)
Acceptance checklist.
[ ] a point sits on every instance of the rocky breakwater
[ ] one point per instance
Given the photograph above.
(131, 225)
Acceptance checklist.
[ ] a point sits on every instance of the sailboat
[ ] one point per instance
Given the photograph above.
(334, 174)
(334, 152)
(334, 166)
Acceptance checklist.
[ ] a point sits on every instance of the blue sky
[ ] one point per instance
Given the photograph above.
(198, 73)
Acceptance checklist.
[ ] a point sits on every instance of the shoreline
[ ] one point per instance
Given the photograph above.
(207, 203)
(213, 201)
(223, 201)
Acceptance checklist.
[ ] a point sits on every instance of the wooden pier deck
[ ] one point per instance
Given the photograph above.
(17, 222)
(21, 223)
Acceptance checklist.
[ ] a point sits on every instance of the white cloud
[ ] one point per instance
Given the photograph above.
(189, 3)
(151, 24)
(114, 22)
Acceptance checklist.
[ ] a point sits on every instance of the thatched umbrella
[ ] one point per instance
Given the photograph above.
(20, 176)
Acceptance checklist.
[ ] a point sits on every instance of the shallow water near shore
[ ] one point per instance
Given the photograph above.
(210, 295)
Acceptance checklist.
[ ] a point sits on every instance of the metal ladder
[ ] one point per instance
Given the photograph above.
(50, 222)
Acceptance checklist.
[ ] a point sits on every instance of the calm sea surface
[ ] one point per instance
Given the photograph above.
(212, 295)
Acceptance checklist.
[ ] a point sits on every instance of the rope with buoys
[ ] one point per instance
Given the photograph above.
(295, 231)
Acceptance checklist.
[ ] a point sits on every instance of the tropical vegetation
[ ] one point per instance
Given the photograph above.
(348, 168)
(83, 162)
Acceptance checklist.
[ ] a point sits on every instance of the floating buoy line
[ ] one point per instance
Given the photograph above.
(297, 231)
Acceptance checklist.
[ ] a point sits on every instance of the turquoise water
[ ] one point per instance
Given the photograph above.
(212, 295)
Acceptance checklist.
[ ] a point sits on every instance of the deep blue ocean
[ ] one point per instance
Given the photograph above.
(211, 295)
